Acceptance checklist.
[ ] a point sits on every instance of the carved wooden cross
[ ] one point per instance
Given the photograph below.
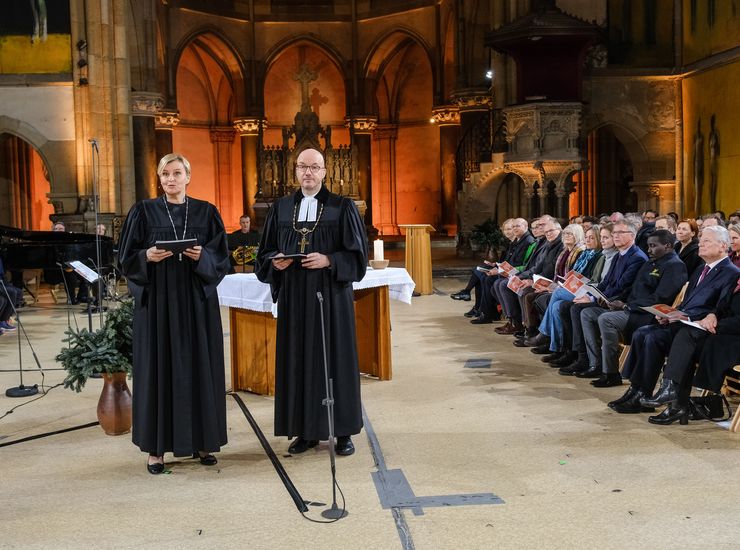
(304, 76)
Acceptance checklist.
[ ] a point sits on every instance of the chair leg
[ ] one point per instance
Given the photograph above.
(623, 356)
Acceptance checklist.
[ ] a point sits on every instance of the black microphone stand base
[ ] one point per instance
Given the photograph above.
(22, 391)
(334, 513)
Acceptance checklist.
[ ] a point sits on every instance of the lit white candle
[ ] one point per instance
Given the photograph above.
(378, 249)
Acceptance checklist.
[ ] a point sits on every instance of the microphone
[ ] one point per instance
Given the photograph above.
(320, 297)
(94, 142)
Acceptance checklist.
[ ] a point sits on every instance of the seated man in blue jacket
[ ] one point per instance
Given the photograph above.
(708, 287)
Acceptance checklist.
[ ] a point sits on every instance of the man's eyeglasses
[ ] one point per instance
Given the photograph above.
(621, 232)
(314, 168)
(549, 231)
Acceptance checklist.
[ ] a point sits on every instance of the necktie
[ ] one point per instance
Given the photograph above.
(703, 274)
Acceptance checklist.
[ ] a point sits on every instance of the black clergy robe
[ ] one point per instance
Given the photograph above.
(299, 367)
(179, 401)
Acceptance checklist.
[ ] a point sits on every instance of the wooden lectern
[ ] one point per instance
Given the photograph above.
(419, 256)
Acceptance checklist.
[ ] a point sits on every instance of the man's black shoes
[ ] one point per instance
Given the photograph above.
(607, 380)
(462, 295)
(301, 445)
(344, 446)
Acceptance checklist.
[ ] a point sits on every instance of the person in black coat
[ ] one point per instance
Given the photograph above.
(687, 244)
(708, 288)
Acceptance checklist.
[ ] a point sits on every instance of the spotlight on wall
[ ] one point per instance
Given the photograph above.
(489, 74)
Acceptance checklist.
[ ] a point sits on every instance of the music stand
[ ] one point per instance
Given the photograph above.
(90, 277)
(21, 390)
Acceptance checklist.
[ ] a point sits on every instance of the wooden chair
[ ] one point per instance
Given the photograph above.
(626, 347)
(731, 386)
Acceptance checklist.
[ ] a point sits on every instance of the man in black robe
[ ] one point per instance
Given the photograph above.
(328, 229)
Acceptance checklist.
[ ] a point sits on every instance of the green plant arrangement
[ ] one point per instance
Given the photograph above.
(488, 237)
(106, 350)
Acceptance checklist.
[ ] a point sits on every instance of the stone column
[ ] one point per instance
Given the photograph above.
(385, 202)
(655, 194)
(362, 130)
(227, 203)
(447, 117)
(164, 123)
(249, 130)
(144, 107)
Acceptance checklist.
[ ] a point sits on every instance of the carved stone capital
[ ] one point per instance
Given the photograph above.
(250, 126)
(472, 100)
(166, 120)
(446, 115)
(222, 134)
(362, 124)
(146, 103)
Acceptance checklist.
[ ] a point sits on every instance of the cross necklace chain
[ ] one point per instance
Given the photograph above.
(187, 206)
(305, 231)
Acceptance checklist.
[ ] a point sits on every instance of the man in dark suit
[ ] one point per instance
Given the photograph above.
(657, 282)
(708, 287)
(615, 286)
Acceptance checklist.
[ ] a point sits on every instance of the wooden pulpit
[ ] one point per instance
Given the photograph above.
(419, 255)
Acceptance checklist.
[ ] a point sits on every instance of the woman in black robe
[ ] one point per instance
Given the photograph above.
(687, 245)
(179, 401)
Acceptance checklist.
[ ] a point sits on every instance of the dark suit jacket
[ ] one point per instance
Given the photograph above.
(545, 263)
(690, 255)
(618, 282)
(715, 289)
(721, 351)
(519, 249)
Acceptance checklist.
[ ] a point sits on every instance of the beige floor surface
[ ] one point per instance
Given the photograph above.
(572, 473)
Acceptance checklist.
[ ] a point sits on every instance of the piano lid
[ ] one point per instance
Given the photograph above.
(48, 236)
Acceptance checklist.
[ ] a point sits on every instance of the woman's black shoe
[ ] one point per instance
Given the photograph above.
(206, 459)
(155, 467)
(670, 415)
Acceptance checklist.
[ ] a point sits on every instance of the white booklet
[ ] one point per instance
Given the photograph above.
(83, 271)
(692, 324)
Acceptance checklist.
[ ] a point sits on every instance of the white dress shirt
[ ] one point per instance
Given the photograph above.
(307, 211)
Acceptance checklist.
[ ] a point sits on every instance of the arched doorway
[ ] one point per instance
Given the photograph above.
(24, 185)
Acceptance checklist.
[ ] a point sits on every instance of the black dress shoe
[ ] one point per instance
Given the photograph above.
(574, 368)
(632, 405)
(462, 295)
(520, 334)
(590, 372)
(519, 342)
(552, 357)
(566, 359)
(670, 415)
(538, 339)
(541, 350)
(301, 445)
(344, 446)
(472, 313)
(629, 394)
(667, 393)
(482, 319)
(206, 459)
(155, 467)
(607, 380)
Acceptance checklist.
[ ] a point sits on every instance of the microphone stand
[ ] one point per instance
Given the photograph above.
(69, 298)
(334, 512)
(96, 199)
(20, 390)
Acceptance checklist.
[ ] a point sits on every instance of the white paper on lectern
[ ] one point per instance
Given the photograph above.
(83, 271)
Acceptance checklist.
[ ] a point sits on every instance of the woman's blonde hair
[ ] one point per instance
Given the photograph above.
(171, 158)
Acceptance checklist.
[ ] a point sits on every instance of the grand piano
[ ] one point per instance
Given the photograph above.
(23, 250)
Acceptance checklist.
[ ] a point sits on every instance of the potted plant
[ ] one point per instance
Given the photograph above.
(109, 351)
(489, 238)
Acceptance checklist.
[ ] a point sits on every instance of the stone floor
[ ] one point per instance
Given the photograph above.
(569, 472)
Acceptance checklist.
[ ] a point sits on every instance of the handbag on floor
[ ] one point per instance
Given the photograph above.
(710, 407)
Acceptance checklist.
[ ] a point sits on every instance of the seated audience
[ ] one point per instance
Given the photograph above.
(734, 230)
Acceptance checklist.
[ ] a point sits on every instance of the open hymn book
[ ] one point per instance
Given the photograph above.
(505, 268)
(666, 312)
(544, 284)
(578, 285)
(517, 285)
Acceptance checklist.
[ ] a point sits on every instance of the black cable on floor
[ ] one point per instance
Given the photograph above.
(47, 434)
(282, 474)
(44, 394)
